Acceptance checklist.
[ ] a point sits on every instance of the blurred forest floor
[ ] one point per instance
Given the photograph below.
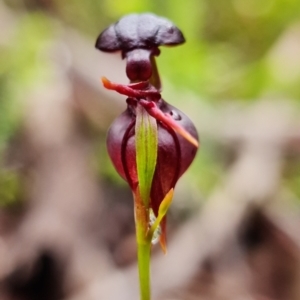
(66, 220)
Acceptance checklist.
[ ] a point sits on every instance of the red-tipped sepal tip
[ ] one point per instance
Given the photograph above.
(163, 236)
(155, 112)
(134, 90)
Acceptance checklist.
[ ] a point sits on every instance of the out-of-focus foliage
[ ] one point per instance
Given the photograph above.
(233, 52)
(21, 68)
(10, 188)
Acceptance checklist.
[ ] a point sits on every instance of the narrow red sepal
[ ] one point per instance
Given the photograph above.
(155, 112)
(131, 90)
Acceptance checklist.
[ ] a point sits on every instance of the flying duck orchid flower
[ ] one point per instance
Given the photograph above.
(152, 143)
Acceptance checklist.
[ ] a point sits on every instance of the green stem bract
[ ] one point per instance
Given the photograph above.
(146, 140)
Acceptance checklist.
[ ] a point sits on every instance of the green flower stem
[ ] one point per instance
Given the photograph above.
(144, 252)
(143, 247)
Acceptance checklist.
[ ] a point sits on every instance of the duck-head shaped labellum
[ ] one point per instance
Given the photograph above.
(138, 37)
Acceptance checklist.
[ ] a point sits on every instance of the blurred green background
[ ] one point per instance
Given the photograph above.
(236, 51)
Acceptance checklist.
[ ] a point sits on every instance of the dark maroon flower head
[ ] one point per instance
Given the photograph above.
(144, 31)
(138, 37)
(174, 153)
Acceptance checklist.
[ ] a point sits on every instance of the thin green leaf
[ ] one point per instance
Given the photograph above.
(146, 151)
(162, 211)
